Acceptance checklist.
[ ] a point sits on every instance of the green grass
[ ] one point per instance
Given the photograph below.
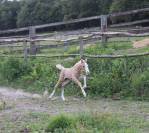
(92, 116)
(110, 48)
(85, 123)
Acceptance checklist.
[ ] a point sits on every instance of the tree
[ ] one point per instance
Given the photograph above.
(8, 14)
(35, 12)
(125, 5)
(71, 9)
(89, 8)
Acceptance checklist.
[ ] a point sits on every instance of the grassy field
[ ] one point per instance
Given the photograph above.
(76, 115)
(79, 123)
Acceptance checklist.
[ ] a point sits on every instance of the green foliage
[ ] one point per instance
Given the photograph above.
(60, 123)
(12, 69)
(35, 12)
(105, 123)
(110, 48)
(140, 83)
(2, 105)
(127, 77)
(125, 5)
(114, 76)
(8, 14)
(122, 77)
(43, 75)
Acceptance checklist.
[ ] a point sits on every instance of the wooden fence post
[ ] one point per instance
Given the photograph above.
(32, 35)
(103, 29)
(65, 46)
(81, 46)
(25, 50)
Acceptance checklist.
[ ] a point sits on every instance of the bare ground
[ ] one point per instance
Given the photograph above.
(19, 102)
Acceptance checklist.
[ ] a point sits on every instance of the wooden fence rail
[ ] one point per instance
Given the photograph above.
(99, 34)
(130, 23)
(84, 55)
(74, 21)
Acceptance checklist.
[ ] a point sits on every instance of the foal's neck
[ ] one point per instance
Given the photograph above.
(77, 67)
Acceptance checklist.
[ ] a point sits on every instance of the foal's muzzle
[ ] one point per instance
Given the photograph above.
(87, 73)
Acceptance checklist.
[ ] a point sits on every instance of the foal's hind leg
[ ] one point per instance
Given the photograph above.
(64, 84)
(57, 85)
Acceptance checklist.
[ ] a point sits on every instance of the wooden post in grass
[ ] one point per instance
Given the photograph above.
(32, 35)
(65, 46)
(25, 50)
(81, 46)
(103, 29)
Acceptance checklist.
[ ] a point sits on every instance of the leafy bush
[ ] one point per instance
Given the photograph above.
(140, 83)
(60, 123)
(12, 69)
(111, 77)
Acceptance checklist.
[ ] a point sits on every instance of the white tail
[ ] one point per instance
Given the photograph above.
(59, 66)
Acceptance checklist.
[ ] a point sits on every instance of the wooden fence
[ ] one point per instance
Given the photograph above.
(102, 17)
(104, 34)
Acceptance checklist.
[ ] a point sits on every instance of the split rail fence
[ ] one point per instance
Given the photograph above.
(103, 35)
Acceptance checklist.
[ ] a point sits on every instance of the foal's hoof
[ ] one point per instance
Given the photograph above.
(63, 99)
(53, 98)
(50, 97)
(84, 94)
(84, 87)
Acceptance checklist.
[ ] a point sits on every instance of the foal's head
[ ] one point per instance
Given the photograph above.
(84, 66)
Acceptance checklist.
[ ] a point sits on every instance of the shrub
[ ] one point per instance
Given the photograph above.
(12, 69)
(118, 76)
(60, 123)
(105, 122)
(140, 84)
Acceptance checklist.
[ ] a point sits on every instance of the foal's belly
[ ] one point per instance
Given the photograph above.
(69, 73)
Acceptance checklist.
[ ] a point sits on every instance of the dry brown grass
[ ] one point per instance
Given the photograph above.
(141, 43)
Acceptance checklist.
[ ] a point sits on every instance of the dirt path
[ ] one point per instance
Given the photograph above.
(18, 102)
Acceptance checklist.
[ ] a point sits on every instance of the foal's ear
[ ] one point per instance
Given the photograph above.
(82, 61)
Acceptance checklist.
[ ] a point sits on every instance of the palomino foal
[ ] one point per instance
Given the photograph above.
(72, 74)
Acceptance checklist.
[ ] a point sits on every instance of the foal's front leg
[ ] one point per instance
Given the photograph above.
(79, 84)
(84, 78)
